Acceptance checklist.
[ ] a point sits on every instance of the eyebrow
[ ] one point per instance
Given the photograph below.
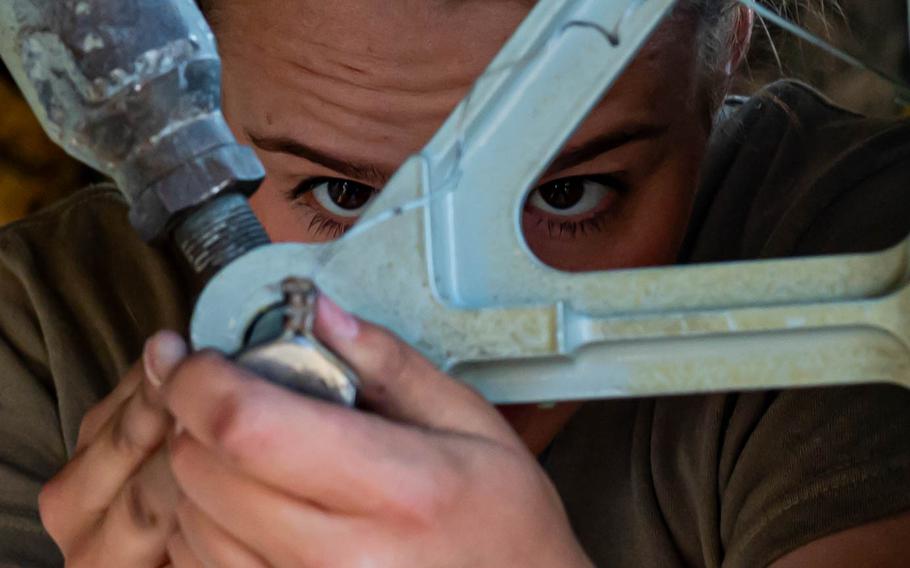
(369, 173)
(377, 176)
(608, 142)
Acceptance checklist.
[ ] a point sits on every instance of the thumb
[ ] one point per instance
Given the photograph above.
(399, 383)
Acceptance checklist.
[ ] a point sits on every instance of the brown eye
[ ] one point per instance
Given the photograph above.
(562, 194)
(344, 198)
(570, 197)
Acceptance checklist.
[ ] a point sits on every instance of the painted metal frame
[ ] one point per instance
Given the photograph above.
(439, 259)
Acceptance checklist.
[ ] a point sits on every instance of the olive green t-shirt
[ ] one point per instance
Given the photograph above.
(726, 480)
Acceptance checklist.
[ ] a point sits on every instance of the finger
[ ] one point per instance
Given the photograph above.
(211, 544)
(250, 520)
(143, 513)
(136, 527)
(101, 413)
(181, 554)
(95, 419)
(76, 498)
(401, 384)
(345, 460)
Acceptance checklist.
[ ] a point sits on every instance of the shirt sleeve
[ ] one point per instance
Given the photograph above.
(79, 295)
(793, 175)
(803, 464)
(31, 443)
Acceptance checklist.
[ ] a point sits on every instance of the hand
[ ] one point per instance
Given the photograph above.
(113, 504)
(433, 476)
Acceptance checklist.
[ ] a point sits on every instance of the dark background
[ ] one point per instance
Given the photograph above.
(34, 172)
(873, 30)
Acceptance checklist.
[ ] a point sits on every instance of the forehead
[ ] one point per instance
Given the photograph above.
(379, 74)
(383, 28)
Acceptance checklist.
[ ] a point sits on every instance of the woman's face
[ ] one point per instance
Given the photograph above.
(335, 95)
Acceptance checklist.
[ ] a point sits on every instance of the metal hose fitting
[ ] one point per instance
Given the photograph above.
(217, 233)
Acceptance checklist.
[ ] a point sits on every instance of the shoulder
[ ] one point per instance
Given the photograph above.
(97, 213)
(79, 294)
(80, 264)
(100, 204)
(81, 258)
(39, 255)
(775, 471)
(790, 173)
(799, 465)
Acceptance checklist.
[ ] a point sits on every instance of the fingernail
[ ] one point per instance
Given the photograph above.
(337, 321)
(162, 352)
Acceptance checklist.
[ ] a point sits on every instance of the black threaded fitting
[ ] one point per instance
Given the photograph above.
(218, 232)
